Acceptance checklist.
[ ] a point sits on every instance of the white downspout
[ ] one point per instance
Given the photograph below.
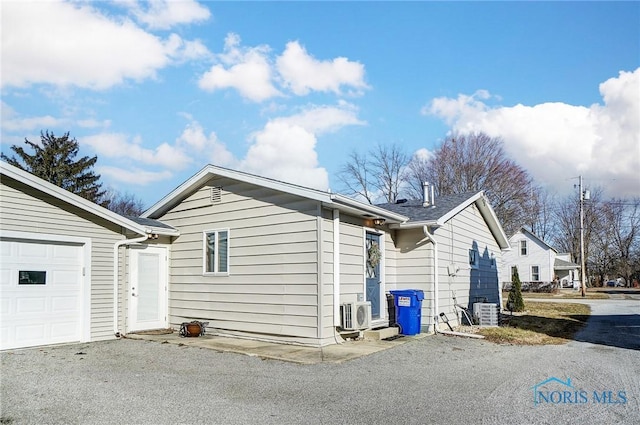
(116, 247)
(429, 236)
(336, 276)
(336, 267)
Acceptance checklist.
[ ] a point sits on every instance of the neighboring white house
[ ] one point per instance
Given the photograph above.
(252, 256)
(538, 262)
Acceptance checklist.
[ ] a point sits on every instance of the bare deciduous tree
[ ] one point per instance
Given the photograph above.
(125, 204)
(622, 220)
(474, 162)
(541, 214)
(376, 176)
(567, 236)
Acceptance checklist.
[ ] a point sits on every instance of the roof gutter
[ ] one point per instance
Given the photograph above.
(116, 247)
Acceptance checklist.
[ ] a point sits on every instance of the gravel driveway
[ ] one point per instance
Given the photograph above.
(438, 379)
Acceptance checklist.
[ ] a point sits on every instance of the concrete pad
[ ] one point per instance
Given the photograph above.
(336, 353)
(380, 334)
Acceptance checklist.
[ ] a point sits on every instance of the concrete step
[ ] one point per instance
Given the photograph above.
(379, 334)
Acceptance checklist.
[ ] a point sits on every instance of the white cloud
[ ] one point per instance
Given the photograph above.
(192, 146)
(133, 176)
(285, 149)
(11, 121)
(557, 141)
(423, 154)
(286, 152)
(251, 71)
(76, 45)
(303, 73)
(185, 50)
(324, 119)
(164, 14)
(246, 69)
(115, 145)
(193, 138)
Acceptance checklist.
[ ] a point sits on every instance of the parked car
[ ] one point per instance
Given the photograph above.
(614, 283)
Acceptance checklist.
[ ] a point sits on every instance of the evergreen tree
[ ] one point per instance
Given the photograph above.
(515, 301)
(54, 161)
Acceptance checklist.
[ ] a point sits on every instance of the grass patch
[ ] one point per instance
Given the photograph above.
(564, 295)
(540, 324)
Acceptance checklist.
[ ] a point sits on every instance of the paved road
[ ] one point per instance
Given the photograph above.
(438, 379)
(613, 322)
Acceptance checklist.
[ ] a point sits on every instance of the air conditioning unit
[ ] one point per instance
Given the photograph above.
(486, 314)
(356, 316)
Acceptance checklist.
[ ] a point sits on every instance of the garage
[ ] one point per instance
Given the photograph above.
(42, 288)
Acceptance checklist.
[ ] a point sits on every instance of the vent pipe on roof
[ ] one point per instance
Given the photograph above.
(428, 198)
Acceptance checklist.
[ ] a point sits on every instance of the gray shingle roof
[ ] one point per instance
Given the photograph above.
(150, 222)
(561, 264)
(416, 212)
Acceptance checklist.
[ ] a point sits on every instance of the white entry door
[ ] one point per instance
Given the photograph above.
(148, 290)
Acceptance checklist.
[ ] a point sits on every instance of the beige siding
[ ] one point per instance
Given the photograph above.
(467, 231)
(272, 286)
(414, 267)
(410, 264)
(351, 260)
(24, 210)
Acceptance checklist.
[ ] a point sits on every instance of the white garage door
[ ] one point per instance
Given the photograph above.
(41, 293)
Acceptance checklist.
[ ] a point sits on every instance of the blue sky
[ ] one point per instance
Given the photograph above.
(288, 89)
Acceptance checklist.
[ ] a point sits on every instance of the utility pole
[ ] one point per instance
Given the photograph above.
(583, 269)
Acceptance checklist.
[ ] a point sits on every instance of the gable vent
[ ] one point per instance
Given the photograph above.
(216, 195)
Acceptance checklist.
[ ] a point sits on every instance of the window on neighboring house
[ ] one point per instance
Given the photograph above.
(216, 252)
(535, 273)
(523, 247)
(514, 270)
(473, 259)
(493, 261)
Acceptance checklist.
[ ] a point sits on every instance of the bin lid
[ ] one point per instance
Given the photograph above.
(418, 293)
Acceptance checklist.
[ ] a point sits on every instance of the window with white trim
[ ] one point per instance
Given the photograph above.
(535, 273)
(523, 247)
(215, 252)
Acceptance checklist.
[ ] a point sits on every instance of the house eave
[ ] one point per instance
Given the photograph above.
(329, 200)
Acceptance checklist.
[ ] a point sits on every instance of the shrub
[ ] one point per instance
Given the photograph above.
(515, 301)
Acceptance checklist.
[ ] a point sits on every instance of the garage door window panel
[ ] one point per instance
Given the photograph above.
(30, 277)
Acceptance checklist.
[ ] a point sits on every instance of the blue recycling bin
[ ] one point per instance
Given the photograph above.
(408, 304)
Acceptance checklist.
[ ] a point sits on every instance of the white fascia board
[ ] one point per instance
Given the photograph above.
(345, 203)
(492, 221)
(209, 171)
(329, 200)
(70, 198)
(448, 216)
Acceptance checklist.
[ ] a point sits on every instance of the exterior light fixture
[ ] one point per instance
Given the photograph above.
(378, 221)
